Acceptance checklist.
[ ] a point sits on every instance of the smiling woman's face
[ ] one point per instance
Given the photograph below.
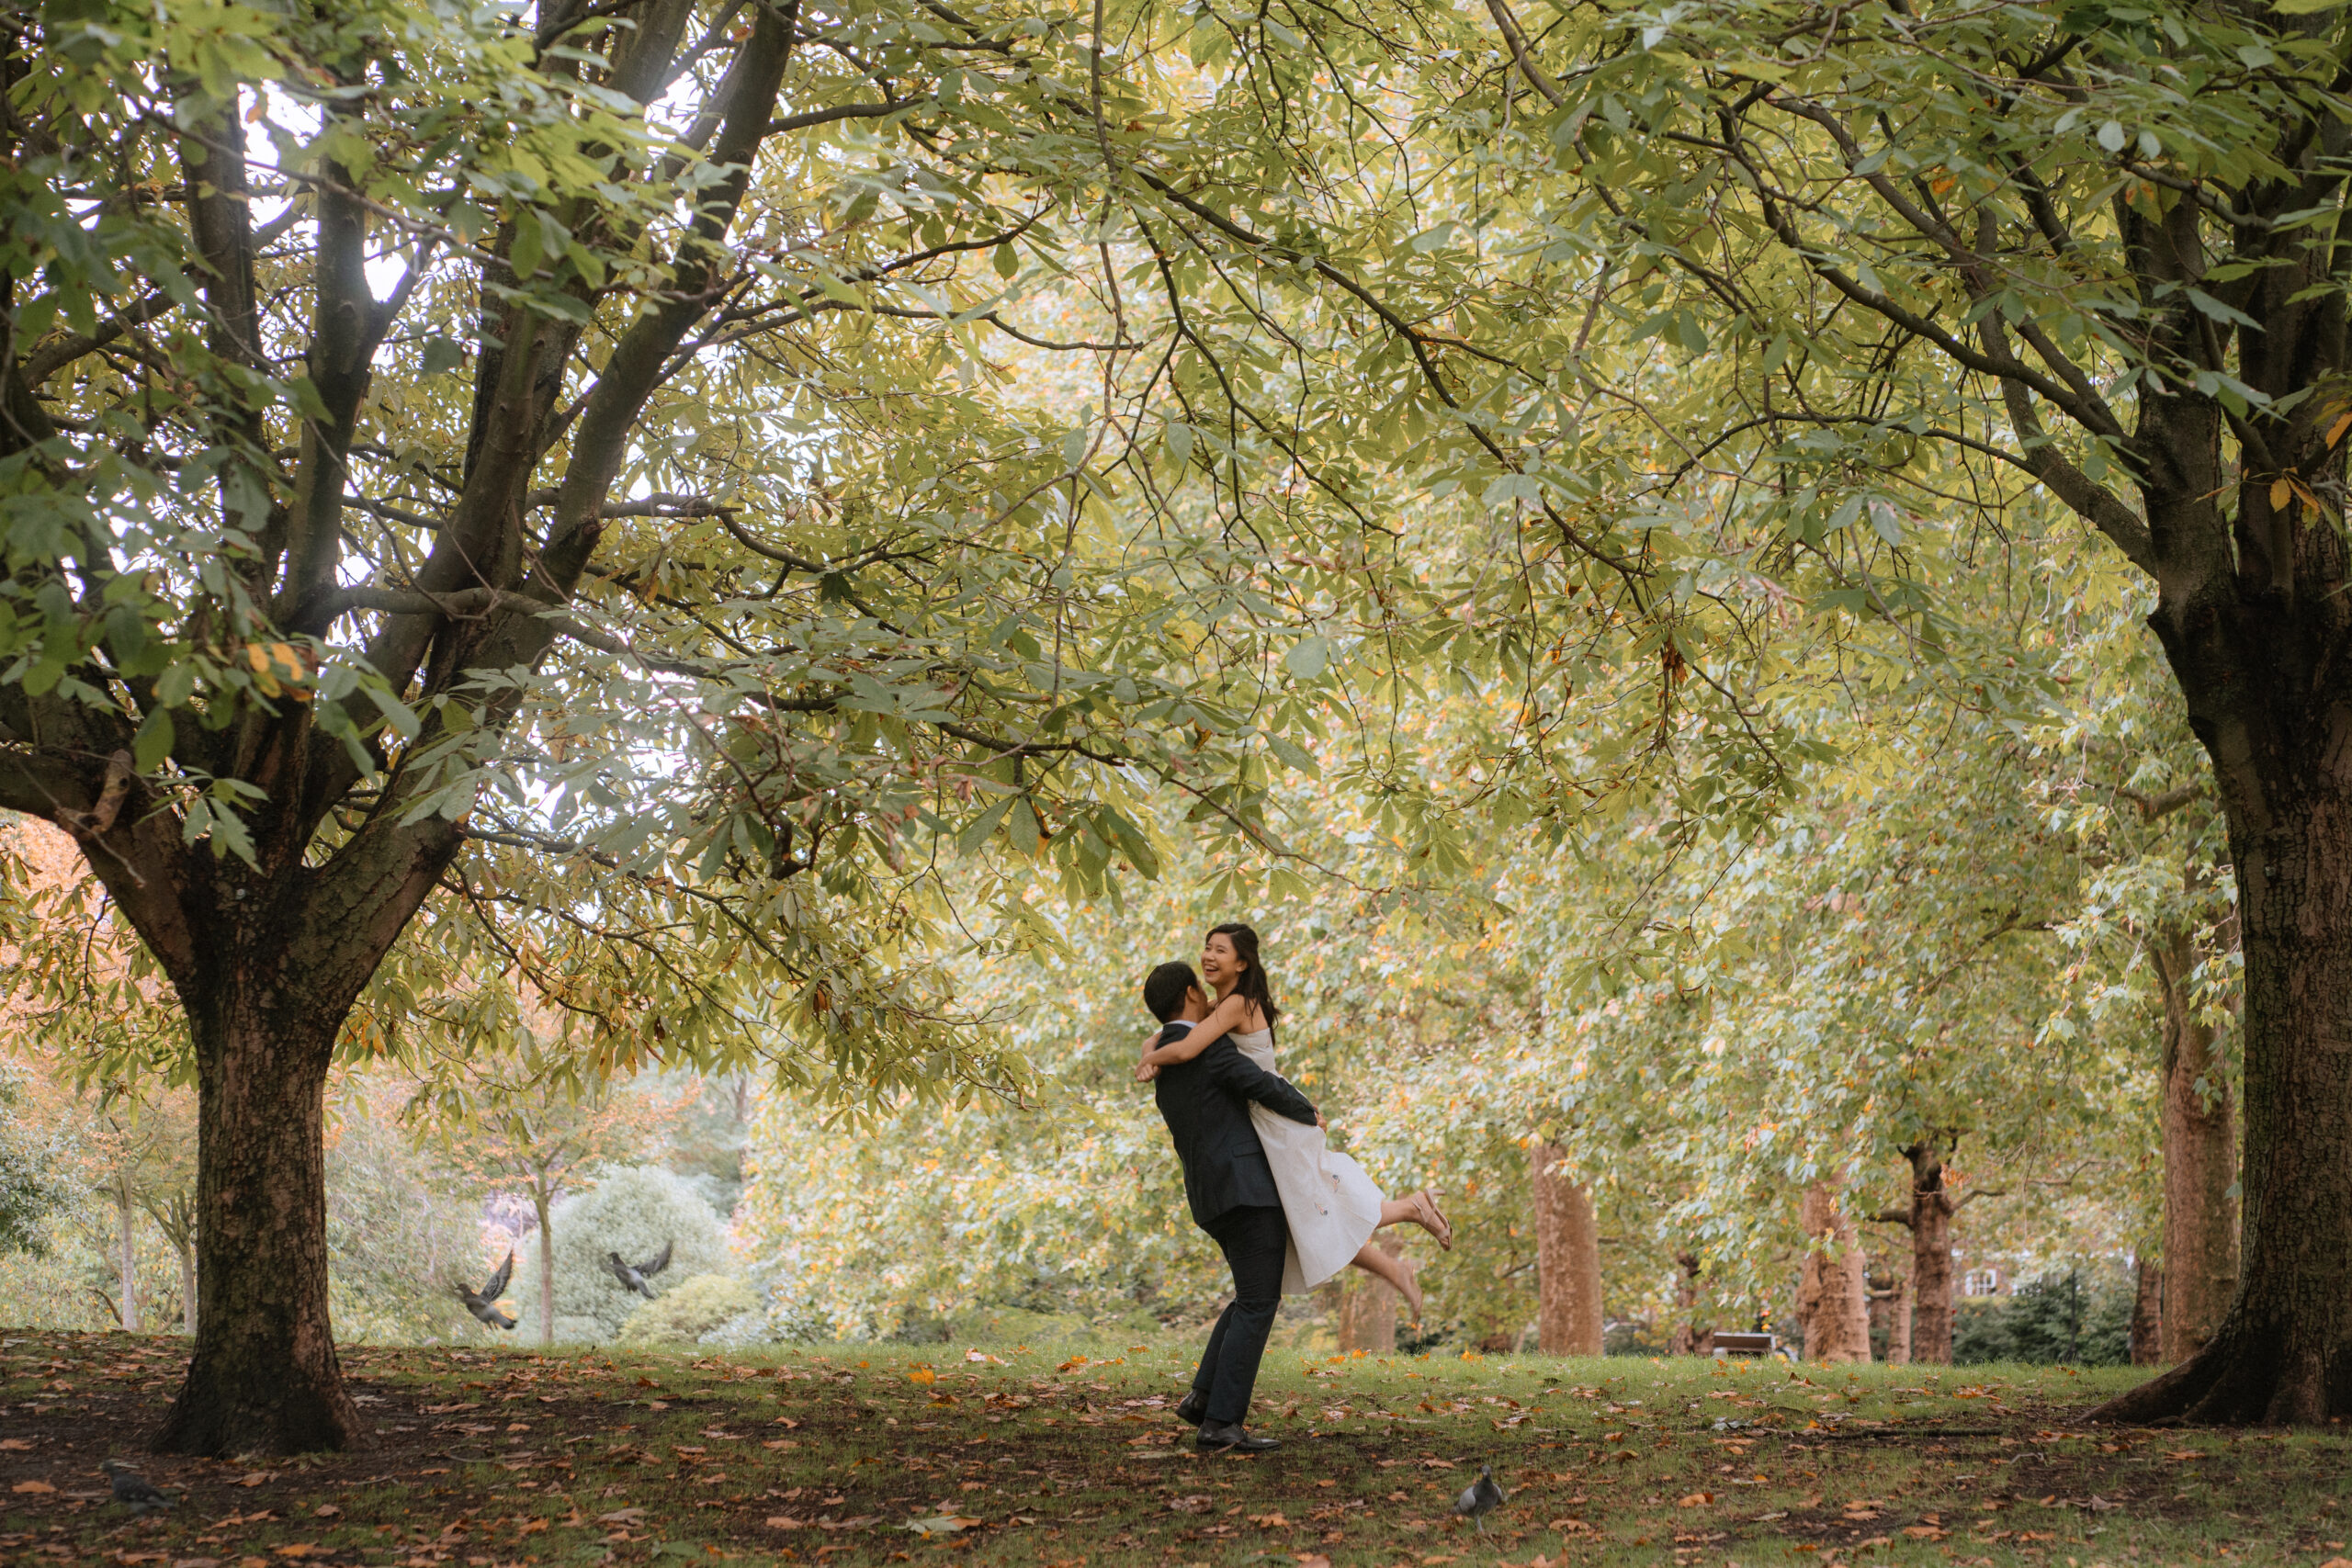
(1220, 966)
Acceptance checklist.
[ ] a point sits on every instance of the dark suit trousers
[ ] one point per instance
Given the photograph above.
(1254, 1239)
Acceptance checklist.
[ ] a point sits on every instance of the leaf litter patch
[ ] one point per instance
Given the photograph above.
(489, 1458)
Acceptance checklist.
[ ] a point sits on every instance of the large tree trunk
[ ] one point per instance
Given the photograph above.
(1931, 1212)
(2200, 1249)
(542, 1207)
(2259, 654)
(1833, 1302)
(2147, 1312)
(1368, 1309)
(263, 1376)
(1568, 1261)
(129, 1259)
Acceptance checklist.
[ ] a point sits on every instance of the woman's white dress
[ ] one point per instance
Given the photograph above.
(1332, 1205)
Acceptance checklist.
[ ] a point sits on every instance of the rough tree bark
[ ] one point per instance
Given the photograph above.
(264, 1360)
(1833, 1301)
(2201, 1245)
(1931, 1280)
(1567, 1260)
(1927, 1336)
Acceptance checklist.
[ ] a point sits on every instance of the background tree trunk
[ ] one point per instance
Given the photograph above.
(1568, 1261)
(187, 1287)
(1833, 1309)
(1931, 1212)
(541, 1206)
(2147, 1312)
(124, 1211)
(1368, 1308)
(263, 1376)
(2201, 1247)
(1891, 1308)
(1688, 1339)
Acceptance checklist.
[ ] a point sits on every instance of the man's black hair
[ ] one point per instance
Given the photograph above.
(1164, 989)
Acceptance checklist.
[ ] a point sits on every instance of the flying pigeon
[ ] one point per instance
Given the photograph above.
(634, 1278)
(483, 1304)
(1480, 1498)
(133, 1488)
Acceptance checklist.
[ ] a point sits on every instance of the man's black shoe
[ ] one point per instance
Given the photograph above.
(1229, 1438)
(1193, 1411)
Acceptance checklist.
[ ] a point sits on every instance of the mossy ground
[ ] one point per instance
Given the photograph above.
(483, 1458)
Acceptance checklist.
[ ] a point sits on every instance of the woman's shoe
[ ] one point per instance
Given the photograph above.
(1438, 1224)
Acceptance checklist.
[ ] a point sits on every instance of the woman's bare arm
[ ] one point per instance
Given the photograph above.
(1227, 1015)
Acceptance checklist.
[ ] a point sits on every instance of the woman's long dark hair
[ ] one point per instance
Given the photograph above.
(1252, 983)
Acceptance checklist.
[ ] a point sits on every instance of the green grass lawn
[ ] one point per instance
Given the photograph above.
(483, 1458)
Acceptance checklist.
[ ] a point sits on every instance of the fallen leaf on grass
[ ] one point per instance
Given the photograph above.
(196, 1563)
(28, 1486)
(1270, 1522)
(943, 1524)
(325, 1511)
(785, 1522)
(255, 1479)
(2337, 1562)
(301, 1548)
(622, 1517)
(14, 1444)
(1696, 1500)
(1925, 1532)
(1437, 1464)
(1311, 1559)
(2175, 1454)
(983, 1356)
(856, 1524)
(922, 1375)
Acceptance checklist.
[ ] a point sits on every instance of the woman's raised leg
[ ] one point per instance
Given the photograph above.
(1373, 1260)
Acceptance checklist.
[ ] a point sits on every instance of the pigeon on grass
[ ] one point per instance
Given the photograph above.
(131, 1488)
(633, 1279)
(484, 1304)
(1480, 1498)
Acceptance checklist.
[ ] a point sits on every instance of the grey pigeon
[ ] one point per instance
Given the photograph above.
(484, 1304)
(1480, 1498)
(634, 1278)
(133, 1488)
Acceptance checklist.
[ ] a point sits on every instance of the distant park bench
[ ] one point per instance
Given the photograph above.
(1749, 1345)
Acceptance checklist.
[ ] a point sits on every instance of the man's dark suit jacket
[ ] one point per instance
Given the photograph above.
(1205, 1103)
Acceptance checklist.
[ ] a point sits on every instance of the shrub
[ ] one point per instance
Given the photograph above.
(2076, 1318)
(635, 1211)
(689, 1310)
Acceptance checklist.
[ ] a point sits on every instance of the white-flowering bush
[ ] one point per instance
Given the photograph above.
(689, 1310)
(635, 1211)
